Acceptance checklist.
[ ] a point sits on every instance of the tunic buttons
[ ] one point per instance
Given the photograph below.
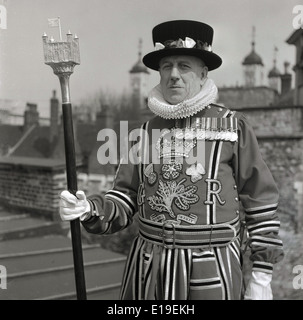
(235, 187)
(237, 199)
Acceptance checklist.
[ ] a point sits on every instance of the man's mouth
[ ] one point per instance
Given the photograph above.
(175, 87)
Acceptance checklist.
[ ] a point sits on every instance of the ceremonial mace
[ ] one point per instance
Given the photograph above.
(63, 57)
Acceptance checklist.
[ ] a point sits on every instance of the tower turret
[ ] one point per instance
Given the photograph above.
(253, 66)
(274, 75)
(138, 79)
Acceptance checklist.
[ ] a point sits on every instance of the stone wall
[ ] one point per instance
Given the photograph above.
(280, 135)
(284, 158)
(32, 185)
(238, 97)
(276, 121)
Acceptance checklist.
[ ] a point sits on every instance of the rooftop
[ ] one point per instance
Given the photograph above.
(139, 67)
(274, 73)
(33, 162)
(253, 58)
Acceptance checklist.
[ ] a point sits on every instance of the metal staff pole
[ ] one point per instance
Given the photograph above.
(63, 57)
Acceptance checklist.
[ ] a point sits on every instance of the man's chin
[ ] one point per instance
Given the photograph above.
(174, 99)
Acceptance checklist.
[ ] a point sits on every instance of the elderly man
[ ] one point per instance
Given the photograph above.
(188, 196)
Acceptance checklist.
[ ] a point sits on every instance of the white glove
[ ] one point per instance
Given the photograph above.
(72, 208)
(258, 287)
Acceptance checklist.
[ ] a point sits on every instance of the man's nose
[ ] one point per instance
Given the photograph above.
(175, 74)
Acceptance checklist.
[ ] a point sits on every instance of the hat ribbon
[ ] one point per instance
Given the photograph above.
(187, 43)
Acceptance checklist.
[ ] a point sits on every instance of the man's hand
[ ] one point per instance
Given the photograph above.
(258, 287)
(73, 207)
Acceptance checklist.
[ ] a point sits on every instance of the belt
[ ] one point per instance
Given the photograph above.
(171, 236)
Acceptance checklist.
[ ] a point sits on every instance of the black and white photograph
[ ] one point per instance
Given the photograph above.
(151, 151)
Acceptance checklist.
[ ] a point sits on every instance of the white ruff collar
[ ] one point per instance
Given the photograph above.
(187, 108)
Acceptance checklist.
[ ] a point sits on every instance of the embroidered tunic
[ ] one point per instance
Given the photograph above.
(189, 190)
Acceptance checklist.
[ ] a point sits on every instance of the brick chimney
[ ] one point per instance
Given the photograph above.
(54, 117)
(31, 116)
(286, 79)
(105, 118)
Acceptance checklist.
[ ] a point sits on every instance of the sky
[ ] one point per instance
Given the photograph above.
(109, 33)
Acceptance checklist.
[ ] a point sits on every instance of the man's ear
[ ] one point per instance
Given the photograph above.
(204, 73)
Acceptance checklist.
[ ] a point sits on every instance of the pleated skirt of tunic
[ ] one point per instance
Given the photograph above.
(153, 272)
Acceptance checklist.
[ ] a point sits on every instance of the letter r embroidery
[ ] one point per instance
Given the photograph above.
(212, 190)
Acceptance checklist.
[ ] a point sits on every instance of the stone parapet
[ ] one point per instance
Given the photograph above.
(32, 185)
(276, 121)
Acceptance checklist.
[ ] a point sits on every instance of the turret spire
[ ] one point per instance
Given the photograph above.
(253, 42)
(140, 49)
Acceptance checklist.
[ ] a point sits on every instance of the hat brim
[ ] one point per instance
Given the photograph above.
(211, 60)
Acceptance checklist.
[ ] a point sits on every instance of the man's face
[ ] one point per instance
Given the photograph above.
(181, 77)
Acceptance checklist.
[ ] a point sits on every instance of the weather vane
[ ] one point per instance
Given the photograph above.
(63, 56)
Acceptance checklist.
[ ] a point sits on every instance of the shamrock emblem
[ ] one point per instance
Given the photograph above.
(195, 171)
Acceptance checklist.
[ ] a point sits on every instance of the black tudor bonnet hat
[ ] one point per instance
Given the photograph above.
(183, 37)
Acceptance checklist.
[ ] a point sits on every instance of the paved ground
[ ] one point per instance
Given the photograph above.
(37, 255)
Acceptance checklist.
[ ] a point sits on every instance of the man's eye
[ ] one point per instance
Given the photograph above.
(165, 66)
(185, 66)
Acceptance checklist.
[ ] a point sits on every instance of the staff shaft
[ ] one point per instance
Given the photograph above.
(71, 172)
(62, 57)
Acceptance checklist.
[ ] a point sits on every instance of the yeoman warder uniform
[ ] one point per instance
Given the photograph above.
(188, 188)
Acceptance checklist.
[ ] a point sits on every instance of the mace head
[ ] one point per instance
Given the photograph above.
(62, 56)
